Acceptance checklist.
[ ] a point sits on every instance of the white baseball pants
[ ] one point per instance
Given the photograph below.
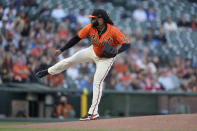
(103, 66)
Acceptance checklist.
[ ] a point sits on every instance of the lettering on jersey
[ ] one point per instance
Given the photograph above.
(108, 41)
(125, 39)
(93, 39)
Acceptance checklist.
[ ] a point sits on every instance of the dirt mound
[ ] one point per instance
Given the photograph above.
(158, 122)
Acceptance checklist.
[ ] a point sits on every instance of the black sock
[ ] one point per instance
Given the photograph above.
(42, 73)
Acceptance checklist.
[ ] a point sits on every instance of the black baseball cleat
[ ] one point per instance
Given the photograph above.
(42, 73)
(90, 117)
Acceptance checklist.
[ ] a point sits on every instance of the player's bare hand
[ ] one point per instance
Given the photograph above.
(57, 52)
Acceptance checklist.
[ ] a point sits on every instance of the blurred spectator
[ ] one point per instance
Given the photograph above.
(186, 69)
(192, 83)
(170, 25)
(161, 36)
(149, 35)
(23, 45)
(176, 61)
(73, 75)
(138, 35)
(32, 65)
(151, 84)
(151, 65)
(73, 72)
(156, 61)
(125, 82)
(55, 81)
(43, 62)
(138, 80)
(4, 25)
(86, 82)
(64, 110)
(175, 77)
(142, 63)
(120, 67)
(128, 33)
(9, 45)
(83, 18)
(20, 70)
(50, 30)
(166, 80)
(183, 23)
(139, 14)
(72, 18)
(2, 42)
(45, 11)
(37, 51)
(10, 11)
(193, 23)
(184, 86)
(6, 68)
(151, 14)
(63, 31)
(138, 38)
(58, 13)
(111, 80)
(26, 29)
(84, 70)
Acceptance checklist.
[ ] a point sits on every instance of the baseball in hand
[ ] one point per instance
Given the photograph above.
(57, 52)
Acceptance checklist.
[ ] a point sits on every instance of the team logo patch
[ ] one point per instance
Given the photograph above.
(93, 39)
(108, 41)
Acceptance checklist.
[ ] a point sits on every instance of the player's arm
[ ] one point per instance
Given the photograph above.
(70, 43)
(83, 33)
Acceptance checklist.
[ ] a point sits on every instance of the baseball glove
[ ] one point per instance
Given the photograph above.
(108, 51)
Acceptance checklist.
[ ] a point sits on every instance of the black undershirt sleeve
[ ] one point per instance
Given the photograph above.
(123, 48)
(70, 43)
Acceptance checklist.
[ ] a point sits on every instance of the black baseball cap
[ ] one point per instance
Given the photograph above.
(98, 13)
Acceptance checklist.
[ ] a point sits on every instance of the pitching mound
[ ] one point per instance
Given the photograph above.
(157, 122)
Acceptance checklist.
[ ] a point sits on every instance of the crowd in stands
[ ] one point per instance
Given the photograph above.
(27, 45)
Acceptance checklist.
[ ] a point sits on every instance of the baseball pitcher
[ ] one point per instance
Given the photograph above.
(105, 40)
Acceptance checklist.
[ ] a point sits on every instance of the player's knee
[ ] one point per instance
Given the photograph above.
(98, 83)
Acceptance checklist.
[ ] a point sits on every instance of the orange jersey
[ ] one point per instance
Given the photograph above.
(112, 36)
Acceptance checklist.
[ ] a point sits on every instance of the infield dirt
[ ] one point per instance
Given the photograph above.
(180, 122)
